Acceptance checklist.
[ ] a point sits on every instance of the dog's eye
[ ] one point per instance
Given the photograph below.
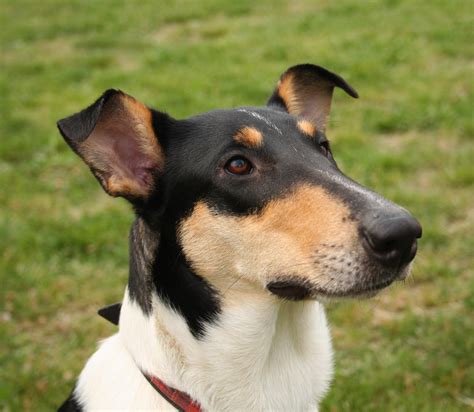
(325, 149)
(238, 165)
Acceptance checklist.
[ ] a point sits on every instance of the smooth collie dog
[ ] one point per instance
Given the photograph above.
(244, 224)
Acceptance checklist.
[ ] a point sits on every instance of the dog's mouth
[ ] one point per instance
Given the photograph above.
(343, 275)
(298, 289)
(290, 290)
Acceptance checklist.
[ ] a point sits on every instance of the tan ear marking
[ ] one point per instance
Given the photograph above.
(306, 90)
(312, 100)
(286, 92)
(306, 128)
(122, 150)
(143, 125)
(249, 137)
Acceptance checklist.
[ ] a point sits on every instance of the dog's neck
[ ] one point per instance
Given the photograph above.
(261, 352)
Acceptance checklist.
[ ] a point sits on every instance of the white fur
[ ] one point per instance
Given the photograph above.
(264, 354)
(112, 381)
(260, 117)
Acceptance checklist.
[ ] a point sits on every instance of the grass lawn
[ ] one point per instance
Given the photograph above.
(63, 243)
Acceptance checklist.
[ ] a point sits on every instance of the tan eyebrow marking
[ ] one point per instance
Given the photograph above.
(307, 128)
(249, 137)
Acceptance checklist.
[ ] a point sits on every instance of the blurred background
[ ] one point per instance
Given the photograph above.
(63, 242)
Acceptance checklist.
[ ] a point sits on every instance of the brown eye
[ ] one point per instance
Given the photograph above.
(238, 165)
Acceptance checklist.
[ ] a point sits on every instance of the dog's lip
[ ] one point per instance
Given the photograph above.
(291, 290)
(367, 291)
(296, 289)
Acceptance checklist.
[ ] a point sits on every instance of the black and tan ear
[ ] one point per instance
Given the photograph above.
(306, 91)
(116, 139)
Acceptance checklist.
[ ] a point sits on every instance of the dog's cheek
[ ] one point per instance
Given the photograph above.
(208, 242)
(293, 231)
(284, 240)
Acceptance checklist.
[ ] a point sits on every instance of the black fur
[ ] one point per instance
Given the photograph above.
(181, 288)
(76, 128)
(70, 405)
(304, 74)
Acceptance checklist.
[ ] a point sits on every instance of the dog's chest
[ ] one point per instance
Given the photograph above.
(254, 358)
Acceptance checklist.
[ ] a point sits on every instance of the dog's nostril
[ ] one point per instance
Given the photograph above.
(378, 244)
(391, 239)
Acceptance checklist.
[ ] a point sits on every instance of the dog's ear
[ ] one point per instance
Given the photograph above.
(115, 137)
(306, 90)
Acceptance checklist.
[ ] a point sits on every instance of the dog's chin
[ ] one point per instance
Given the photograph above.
(299, 289)
(363, 291)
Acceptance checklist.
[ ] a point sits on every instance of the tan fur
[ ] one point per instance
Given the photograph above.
(240, 253)
(306, 127)
(287, 93)
(142, 122)
(124, 121)
(171, 342)
(309, 100)
(249, 137)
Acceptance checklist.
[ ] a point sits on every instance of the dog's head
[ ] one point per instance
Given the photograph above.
(249, 198)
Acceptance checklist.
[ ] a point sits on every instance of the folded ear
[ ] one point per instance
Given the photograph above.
(116, 139)
(306, 90)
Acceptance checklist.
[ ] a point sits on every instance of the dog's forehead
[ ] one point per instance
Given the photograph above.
(274, 120)
(266, 120)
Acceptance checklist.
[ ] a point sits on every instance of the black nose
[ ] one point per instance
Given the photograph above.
(390, 237)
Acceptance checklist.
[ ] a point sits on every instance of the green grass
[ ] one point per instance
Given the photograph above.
(63, 243)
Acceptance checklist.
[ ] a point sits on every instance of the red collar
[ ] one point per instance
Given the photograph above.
(178, 399)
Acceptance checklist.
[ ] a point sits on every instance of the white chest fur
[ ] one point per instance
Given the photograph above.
(264, 355)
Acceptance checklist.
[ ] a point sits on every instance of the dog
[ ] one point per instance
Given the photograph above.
(244, 225)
